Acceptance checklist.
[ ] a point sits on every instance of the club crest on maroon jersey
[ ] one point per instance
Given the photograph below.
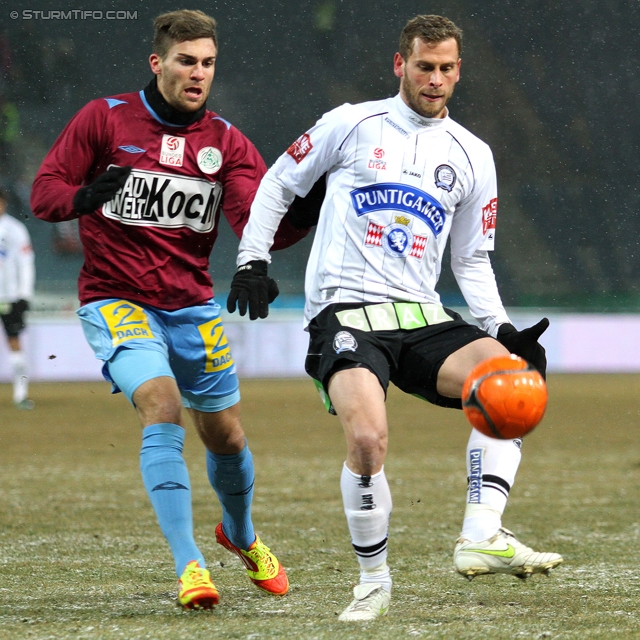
(209, 160)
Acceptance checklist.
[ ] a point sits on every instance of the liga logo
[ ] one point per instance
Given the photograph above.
(376, 162)
(209, 160)
(172, 150)
(300, 148)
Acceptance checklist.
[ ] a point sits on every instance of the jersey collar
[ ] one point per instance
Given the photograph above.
(420, 122)
(163, 112)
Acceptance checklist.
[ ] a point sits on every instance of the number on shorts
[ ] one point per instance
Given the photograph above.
(216, 346)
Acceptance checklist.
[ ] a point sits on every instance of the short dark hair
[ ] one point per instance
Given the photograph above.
(4, 195)
(430, 29)
(180, 26)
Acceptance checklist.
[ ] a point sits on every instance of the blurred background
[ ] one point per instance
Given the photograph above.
(554, 88)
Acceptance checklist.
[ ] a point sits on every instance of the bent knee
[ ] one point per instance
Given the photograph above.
(158, 400)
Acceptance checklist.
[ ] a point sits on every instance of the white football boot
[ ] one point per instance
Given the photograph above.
(370, 602)
(502, 553)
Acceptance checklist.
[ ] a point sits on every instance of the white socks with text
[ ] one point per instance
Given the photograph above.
(367, 505)
(491, 470)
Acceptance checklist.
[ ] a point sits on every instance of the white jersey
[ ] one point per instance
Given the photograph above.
(17, 270)
(398, 186)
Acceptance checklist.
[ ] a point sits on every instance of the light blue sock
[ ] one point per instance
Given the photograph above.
(166, 479)
(232, 478)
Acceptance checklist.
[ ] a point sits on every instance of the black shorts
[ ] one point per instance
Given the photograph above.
(405, 343)
(13, 319)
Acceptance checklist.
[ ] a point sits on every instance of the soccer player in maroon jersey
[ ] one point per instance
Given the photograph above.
(148, 174)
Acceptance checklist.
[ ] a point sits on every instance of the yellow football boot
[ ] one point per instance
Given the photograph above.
(195, 589)
(262, 566)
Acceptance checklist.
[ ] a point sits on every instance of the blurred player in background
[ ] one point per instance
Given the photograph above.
(401, 178)
(17, 276)
(148, 174)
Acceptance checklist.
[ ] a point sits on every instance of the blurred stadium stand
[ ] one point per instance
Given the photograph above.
(552, 87)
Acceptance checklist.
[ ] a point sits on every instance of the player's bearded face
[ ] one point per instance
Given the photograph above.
(185, 74)
(428, 77)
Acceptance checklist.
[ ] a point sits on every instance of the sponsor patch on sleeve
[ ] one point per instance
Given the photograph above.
(489, 215)
(300, 148)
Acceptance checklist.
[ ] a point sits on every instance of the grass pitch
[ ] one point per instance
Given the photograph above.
(81, 555)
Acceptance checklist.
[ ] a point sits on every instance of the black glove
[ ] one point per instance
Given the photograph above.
(525, 343)
(252, 284)
(20, 306)
(304, 212)
(101, 190)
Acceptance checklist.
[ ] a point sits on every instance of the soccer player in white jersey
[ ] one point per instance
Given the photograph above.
(17, 276)
(401, 178)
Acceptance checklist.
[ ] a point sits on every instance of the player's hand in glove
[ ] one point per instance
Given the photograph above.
(101, 190)
(525, 343)
(253, 287)
(304, 212)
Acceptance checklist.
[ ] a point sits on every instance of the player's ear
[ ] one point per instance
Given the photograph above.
(398, 65)
(155, 62)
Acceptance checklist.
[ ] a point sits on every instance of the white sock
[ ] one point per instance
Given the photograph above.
(20, 380)
(377, 575)
(491, 466)
(367, 505)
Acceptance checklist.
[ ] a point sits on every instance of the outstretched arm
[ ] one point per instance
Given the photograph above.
(477, 282)
(252, 289)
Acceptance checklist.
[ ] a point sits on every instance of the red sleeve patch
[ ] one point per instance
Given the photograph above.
(300, 148)
(489, 215)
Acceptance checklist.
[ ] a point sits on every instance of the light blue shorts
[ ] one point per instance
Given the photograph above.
(138, 343)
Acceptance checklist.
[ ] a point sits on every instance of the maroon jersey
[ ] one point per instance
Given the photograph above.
(152, 242)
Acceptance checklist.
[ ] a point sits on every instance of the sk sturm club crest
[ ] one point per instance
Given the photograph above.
(445, 177)
(344, 341)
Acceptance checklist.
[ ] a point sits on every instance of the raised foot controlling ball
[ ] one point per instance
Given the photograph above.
(504, 397)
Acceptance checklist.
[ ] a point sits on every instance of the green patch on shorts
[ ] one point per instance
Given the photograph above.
(326, 401)
(390, 316)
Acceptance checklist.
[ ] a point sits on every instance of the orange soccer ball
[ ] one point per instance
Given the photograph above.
(504, 397)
